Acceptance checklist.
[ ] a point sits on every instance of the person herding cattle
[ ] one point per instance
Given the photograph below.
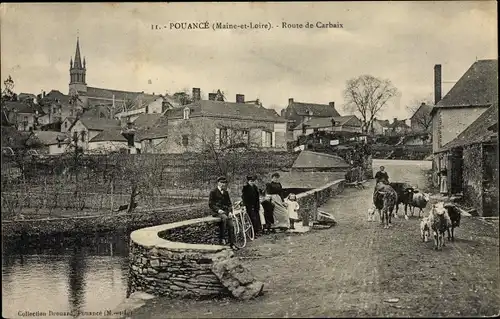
(381, 175)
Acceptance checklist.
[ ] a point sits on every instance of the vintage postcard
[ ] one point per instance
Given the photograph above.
(249, 159)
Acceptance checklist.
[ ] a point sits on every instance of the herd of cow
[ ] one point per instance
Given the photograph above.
(442, 217)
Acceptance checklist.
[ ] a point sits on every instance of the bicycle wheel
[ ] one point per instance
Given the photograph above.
(240, 239)
(247, 224)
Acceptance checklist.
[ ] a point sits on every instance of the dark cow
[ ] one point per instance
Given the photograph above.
(405, 196)
(455, 217)
(384, 199)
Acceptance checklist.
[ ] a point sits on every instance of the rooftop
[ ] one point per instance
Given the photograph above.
(350, 120)
(319, 110)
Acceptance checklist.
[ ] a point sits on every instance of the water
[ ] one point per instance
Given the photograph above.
(64, 274)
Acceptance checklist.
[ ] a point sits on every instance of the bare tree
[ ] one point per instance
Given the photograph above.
(420, 110)
(367, 96)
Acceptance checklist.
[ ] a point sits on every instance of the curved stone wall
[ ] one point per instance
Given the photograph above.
(163, 267)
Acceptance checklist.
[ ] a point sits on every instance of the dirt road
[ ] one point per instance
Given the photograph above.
(357, 267)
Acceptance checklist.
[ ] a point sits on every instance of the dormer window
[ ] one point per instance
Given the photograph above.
(186, 113)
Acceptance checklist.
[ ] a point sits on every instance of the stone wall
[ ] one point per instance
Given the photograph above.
(473, 177)
(200, 269)
(310, 200)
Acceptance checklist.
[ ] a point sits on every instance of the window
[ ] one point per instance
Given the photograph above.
(83, 135)
(315, 130)
(223, 138)
(267, 138)
(66, 125)
(75, 136)
(186, 113)
(245, 136)
(185, 140)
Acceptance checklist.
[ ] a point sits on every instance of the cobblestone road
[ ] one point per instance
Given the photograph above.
(356, 267)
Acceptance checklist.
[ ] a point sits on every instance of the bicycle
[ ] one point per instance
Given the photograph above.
(243, 227)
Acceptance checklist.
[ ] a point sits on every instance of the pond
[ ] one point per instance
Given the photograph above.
(67, 274)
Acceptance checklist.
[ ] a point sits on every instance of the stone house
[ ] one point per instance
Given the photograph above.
(85, 129)
(298, 112)
(52, 143)
(218, 124)
(397, 127)
(111, 140)
(471, 96)
(379, 127)
(147, 105)
(56, 107)
(472, 161)
(21, 115)
(349, 123)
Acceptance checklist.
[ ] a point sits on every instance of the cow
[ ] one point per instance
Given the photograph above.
(385, 199)
(405, 196)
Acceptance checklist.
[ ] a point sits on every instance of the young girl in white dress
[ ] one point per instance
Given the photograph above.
(293, 207)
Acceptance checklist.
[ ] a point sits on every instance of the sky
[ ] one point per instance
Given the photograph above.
(399, 41)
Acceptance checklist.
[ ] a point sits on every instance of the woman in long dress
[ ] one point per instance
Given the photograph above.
(280, 213)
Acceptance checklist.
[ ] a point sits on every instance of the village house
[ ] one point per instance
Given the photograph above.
(107, 141)
(349, 123)
(379, 127)
(473, 163)
(421, 120)
(397, 127)
(85, 129)
(147, 105)
(217, 124)
(56, 107)
(298, 112)
(471, 96)
(52, 143)
(152, 140)
(21, 115)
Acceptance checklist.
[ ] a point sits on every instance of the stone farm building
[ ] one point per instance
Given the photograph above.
(473, 163)
(52, 143)
(470, 97)
(216, 124)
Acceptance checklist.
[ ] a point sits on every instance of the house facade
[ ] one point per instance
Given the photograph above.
(21, 115)
(349, 123)
(470, 97)
(107, 141)
(52, 143)
(86, 128)
(397, 127)
(298, 112)
(218, 124)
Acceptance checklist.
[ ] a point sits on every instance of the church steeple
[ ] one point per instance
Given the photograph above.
(78, 59)
(77, 72)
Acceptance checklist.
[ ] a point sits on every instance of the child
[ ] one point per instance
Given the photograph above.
(292, 207)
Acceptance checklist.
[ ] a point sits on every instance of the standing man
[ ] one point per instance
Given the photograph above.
(381, 175)
(221, 206)
(250, 197)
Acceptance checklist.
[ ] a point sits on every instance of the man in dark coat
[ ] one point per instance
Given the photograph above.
(250, 197)
(274, 187)
(221, 206)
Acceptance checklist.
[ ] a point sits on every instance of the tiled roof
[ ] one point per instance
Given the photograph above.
(308, 159)
(99, 124)
(156, 132)
(26, 95)
(111, 135)
(383, 123)
(321, 122)
(108, 93)
(477, 87)
(50, 137)
(478, 131)
(320, 110)
(146, 121)
(425, 108)
(227, 110)
(56, 95)
(20, 107)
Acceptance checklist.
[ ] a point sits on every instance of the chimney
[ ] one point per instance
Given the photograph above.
(395, 120)
(196, 94)
(212, 96)
(437, 83)
(332, 104)
(240, 98)
(290, 100)
(43, 92)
